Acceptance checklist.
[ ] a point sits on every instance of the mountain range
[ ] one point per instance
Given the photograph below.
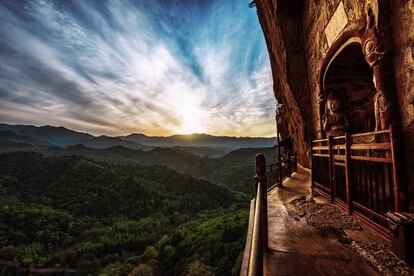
(63, 137)
(72, 201)
(195, 155)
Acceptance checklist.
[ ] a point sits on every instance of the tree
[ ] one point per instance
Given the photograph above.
(150, 253)
(197, 268)
(8, 253)
(142, 270)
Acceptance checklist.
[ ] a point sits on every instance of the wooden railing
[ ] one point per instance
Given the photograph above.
(259, 239)
(272, 174)
(276, 172)
(259, 233)
(359, 173)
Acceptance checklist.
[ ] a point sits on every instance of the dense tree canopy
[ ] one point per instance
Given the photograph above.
(73, 214)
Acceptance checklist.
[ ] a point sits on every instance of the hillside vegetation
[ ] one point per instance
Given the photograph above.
(234, 169)
(74, 203)
(69, 213)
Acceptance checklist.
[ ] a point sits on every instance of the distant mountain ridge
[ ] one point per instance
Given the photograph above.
(201, 140)
(230, 163)
(9, 138)
(104, 142)
(62, 137)
(57, 136)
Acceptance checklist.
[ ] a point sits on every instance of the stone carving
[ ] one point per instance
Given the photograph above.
(371, 48)
(335, 121)
(373, 51)
(370, 42)
(382, 111)
(350, 13)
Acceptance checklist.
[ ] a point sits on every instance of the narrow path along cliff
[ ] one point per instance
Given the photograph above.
(297, 248)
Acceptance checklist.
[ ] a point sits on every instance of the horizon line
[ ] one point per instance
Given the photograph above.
(137, 133)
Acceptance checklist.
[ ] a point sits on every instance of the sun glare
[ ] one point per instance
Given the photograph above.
(192, 120)
(186, 104)
(190, 126)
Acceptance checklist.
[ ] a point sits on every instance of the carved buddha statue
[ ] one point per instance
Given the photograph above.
(335, 121)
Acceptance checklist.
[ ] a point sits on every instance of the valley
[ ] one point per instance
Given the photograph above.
(114, 209)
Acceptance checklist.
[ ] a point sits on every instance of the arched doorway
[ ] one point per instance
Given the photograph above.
(355, 167)
(349, 79)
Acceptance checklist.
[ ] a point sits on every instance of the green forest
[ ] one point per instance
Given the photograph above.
(234, 170)
(74, 214)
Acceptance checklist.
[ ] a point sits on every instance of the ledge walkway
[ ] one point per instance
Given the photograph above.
(296, 248)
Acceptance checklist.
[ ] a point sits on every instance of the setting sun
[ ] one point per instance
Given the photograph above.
(192, 120)
(190, 127)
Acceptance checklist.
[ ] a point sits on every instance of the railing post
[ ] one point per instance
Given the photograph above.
(400, 195)
(261, 176)
(296, 162)
(348, 173)
(279, 167)
(312, 170)
(331, 168)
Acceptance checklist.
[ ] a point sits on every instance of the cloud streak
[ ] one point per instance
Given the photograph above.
(116, 67)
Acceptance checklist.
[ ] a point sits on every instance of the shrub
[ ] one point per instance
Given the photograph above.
(142, 270)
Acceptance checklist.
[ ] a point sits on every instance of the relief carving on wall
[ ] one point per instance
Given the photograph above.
(375, 45)
(370, 41)
(374, 53)
(371, 49)
(382, 111)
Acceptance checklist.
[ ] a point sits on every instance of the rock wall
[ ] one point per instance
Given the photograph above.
(304, 36)
(316, 16)
(290, 76)
(297, 45)
(403, 57)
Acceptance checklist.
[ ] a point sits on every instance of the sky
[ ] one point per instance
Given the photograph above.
(120, 67)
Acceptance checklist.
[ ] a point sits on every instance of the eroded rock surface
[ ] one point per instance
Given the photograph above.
(303, 37)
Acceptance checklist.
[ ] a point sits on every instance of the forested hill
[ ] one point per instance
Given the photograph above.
(86, 187)
(234, 170)
(201, 140)
(230, 168)
(72, 212)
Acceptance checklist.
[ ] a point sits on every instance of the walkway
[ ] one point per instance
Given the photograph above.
(300, 249)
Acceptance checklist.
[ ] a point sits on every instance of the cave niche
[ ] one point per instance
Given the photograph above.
(349, 76)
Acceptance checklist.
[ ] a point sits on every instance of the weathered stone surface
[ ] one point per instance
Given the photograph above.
(403, 57)
(291, 87)
(303, 39)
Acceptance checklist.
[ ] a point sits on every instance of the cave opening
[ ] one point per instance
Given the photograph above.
(350, 79)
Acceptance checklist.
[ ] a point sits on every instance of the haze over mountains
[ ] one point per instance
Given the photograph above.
(228, 161)
(20, 135)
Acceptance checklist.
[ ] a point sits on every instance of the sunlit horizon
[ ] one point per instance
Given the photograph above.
(97, 134)
(155, 67)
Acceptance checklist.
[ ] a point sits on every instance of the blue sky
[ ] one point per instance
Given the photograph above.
(153, 67)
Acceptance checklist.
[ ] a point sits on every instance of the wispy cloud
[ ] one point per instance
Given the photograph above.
(116, 67)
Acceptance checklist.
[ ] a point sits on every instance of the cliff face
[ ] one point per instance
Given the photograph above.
(290, 77)
(305, 40)
(403, 58)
